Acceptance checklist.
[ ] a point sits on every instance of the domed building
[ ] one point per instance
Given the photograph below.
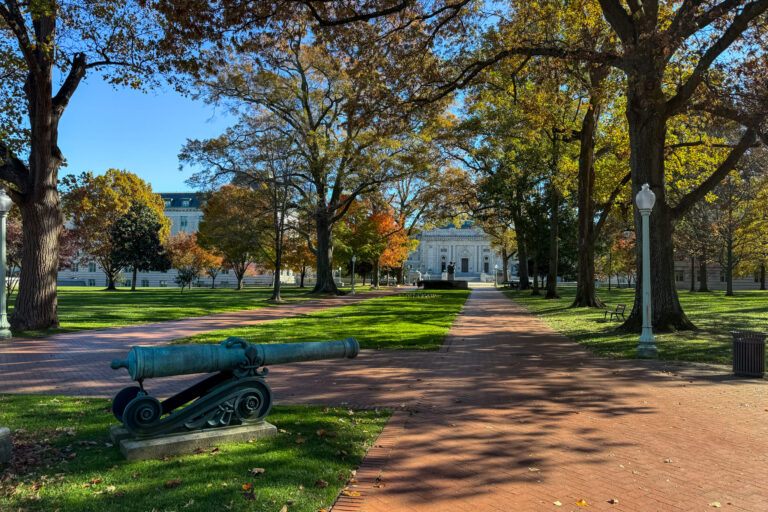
(467, 246)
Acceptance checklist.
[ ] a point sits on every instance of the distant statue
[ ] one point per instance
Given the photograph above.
(451, 270)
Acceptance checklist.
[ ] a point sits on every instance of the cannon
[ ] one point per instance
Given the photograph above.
(236, 394)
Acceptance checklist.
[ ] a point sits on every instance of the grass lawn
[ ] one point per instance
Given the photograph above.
(82, 308)
(65, 462)
(712, 312)
(402, 321)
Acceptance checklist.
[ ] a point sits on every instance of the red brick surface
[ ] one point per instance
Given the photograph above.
(511, 416)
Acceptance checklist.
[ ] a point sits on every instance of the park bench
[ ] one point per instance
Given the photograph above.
(510, 284)
(617, 312)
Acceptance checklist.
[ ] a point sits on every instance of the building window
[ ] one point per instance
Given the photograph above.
(225, 271)
(163, 283)
(91, 267)
(679, 276)
(76, 268)
(168, 202)
(91, 282)
(145, 283)
(185, 203)
(485, 267)
(182, 223)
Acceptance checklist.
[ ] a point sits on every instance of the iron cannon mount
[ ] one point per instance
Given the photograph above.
(235, 395)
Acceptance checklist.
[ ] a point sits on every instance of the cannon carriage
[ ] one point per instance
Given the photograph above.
(236, 394)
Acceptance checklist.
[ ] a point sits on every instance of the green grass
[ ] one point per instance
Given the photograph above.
(713, 313)
(74, 468)
(94, 308)
(394, 322)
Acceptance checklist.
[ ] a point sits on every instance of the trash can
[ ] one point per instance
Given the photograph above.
(748, 354)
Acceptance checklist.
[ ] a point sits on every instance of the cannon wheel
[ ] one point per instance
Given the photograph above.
(142, 411)
(122, 399)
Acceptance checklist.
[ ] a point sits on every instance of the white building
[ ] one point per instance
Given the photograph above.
(467, 246)
(185, 211)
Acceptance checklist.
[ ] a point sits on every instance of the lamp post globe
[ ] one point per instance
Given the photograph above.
(646, 347)
(5, 207)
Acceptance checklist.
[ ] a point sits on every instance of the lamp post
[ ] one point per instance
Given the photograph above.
(646, 346)
(495, 275)
(354, 259)
(5, 207)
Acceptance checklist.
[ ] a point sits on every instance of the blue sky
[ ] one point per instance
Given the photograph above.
(104, 128)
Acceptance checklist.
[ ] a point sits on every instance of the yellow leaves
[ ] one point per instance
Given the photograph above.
(247, 487)
(715, 504)
(351, 494)
(557, 503)
(582, 503)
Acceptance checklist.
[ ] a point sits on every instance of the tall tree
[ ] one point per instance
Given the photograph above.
(137, 241)
(234, 225)
(109, 38)
(338, 111)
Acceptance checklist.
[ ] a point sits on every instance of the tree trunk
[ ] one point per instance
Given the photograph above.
(239, 276)
(213, 282)
(375, 278)
(693, 274)
(133, 279)
(586, 296)
(301, 276)
(554, 236)
(729, 267)
(278, 268)
(647, 132)
(505, 262)
(535, 269)
(762, 276)
(703, 276)
(36, 304)
(111, 282)
(522, 267)
(325, 282)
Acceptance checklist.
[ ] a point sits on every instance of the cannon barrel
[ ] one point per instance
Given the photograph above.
(231, 355)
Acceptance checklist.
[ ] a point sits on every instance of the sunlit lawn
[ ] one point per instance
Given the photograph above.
(83, 308)
(712, 312)
(74, 468)
(401, 321)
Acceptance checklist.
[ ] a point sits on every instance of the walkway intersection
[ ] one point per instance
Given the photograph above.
(511, 416)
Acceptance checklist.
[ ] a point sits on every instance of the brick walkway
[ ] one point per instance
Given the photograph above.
(510, 416)
(77, 363)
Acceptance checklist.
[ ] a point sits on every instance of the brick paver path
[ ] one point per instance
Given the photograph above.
(510, 416)
(77, 363)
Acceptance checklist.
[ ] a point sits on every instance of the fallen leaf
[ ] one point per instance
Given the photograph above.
(257, 471)
(321, 432)
(173, 483)
(715, 504)
(582, 503)
(247, 487)
(353, 480)
(533, 469)
(215, 451)
(121, 492)
(667, 461)
(136, 475)
(557, 503)
(350, 493)
(290, 502)
(284, 509)
(110, 488)
(301, 440)
(95, 480)
(613, 501)
(321, 483)
(229, 507)
(189, 503)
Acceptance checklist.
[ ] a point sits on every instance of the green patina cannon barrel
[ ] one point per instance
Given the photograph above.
(236, 393)
(231, 355)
